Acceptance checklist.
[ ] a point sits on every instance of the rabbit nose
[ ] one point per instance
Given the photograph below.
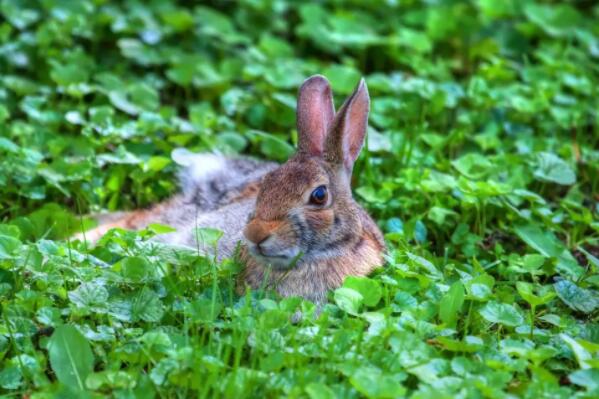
(258, 231)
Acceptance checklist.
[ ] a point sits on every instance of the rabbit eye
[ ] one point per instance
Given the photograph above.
(319, 196)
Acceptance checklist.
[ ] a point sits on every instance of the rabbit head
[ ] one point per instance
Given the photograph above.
(305, 211)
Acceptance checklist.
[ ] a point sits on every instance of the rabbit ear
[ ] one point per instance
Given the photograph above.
(346, 137)
(315, 113)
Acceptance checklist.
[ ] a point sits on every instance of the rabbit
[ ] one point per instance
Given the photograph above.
(300, 229)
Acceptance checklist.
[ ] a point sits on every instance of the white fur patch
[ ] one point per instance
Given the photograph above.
(199, 166)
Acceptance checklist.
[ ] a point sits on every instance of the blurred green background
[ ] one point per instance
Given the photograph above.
(95, 94)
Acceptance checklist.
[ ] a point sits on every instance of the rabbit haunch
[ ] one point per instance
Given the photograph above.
(290, 242)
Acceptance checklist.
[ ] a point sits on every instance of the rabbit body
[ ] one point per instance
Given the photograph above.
(216, 191)
(301, 230)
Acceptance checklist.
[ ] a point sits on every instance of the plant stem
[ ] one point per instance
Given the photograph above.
(532, 320)
(467, 324)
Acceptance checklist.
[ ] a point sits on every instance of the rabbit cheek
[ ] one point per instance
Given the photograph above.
(283, 238)
(287, 239)
(320, 221)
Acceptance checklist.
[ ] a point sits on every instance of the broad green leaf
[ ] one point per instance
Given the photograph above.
(9, 241)
(67, 74)
(218, 25)
(582, 355)
(273, 319)
(272, 146)
(473, 165)
(135, 98)
(548, 245)
(344, 78)
(369, 194)
(160, 372)
(557, 20)
(120, 156)
(414, 39)
(480, 288)
(179, 19)
(136, 269)
(19, 15)
(348, 300)
(110, 379)
(207, 237)
(156, 164)
(394, 225)
(420, 232)
(431, 370)
(8, 145)
(204, 310)
(554, 169)
(90, 297)
(526, 291)
(425, 264)
(439, 215)
(588, 378)
(161, 228)
(232, 140)
(479, 292)
(501, 313)
(11, 377)
(532, 262)
(372, 383)
(147, 306)
(404, 301)
(121, 309)
(470, 344)
(316, 390)
(593, 260)
(49, 316)
(575, 297)
(370, 290)
(233, 101)
(139, 52)
(451, 304)
(70, 356)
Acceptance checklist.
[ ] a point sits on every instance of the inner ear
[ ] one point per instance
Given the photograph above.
(345, 141)
(315, 114)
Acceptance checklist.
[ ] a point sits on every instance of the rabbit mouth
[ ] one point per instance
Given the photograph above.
(282, 259)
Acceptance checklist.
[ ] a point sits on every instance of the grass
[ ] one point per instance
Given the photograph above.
(481, 168)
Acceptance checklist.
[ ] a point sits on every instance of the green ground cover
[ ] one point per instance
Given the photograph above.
(482, 170)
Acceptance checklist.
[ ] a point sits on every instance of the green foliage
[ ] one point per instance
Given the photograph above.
(481, 167)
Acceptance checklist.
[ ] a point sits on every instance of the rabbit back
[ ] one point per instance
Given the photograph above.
(210, 181)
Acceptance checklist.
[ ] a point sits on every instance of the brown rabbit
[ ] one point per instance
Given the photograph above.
(304, 233)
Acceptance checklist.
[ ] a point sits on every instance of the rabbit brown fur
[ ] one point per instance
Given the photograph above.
(303, 233)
